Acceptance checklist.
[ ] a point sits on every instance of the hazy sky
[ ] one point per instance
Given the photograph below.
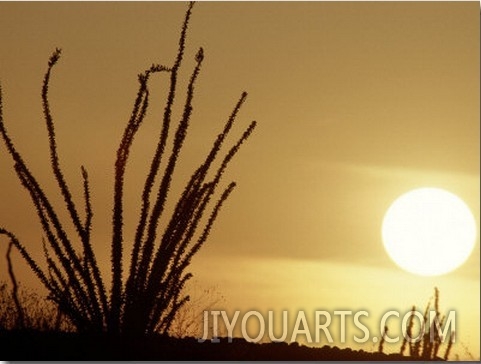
(357, 103)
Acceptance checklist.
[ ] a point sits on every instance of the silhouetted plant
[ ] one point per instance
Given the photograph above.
(427, 347)
(20, 321)
(383, 339)
(151, 294)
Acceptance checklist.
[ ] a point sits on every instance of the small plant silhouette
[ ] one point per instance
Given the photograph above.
(428, 345)
(147, 298)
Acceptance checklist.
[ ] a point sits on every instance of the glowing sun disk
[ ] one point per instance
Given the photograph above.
(429, 231)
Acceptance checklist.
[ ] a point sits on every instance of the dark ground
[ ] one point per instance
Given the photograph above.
(34, 345)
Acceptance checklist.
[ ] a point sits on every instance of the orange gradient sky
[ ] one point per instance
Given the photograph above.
(357, 103)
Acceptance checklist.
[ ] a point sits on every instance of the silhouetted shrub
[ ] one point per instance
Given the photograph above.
(427, 348)
(152, 292)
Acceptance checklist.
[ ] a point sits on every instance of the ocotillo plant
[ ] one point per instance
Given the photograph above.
(427, 346)
(151, 294)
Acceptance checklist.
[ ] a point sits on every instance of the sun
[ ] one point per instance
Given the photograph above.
(429, 231)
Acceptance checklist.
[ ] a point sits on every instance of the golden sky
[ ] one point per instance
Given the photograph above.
(357, 103)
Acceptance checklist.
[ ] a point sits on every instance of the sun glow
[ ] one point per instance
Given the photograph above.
(429, 231)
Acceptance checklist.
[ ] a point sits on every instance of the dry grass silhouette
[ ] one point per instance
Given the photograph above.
(146, 298)
(43, 315)
(38, 314)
